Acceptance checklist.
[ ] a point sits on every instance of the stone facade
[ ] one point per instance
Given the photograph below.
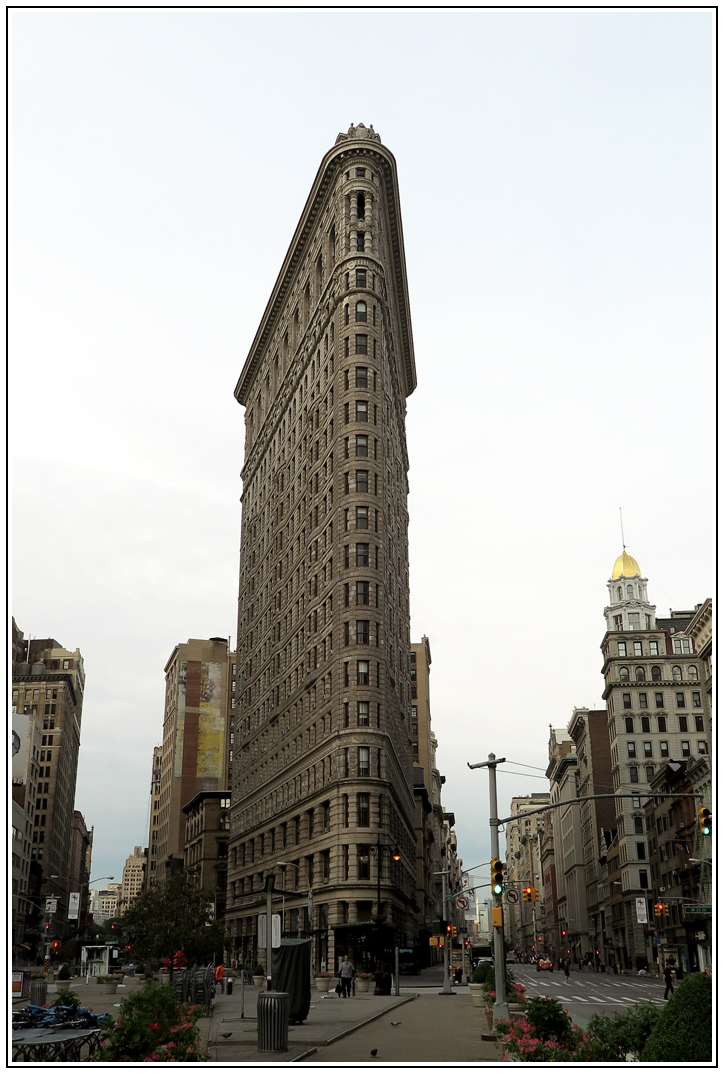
(206, 846)
(523, 867)
(323, 762)
(656, 712)
(568, 842)
(132, 879)
(150, 878)
(197, 740)
(48, 685)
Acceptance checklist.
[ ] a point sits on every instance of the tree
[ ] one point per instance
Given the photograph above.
(175, 917)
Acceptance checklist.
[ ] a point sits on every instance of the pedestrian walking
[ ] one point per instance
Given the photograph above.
(219, 975)
(567, 969)
(346, 973)
(669, 981)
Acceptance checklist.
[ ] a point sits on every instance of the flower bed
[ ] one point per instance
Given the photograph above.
(153, 1027)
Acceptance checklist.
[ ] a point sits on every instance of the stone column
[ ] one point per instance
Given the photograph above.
(352, 232)
(368, 224)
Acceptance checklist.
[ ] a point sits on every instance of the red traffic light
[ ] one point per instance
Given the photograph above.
(563, 932)
(55, 943)
(448, 928)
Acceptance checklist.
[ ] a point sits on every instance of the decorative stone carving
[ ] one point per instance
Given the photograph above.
(360, 131)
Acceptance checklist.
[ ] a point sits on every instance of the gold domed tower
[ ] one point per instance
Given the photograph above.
(629, 607)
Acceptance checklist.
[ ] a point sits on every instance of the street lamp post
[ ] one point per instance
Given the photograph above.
(310, 913)
(379, 916)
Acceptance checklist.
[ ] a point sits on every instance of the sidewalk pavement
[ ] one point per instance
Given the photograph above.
(343, 1030)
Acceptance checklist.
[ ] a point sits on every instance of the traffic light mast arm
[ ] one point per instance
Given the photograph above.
(588, 798)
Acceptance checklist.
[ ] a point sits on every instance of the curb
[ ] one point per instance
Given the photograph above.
(373, 1018)
(304, 1055)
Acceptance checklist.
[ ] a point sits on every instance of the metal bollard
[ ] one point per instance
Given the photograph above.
(272, 1021)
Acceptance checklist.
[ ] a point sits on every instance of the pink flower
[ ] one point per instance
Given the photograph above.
(153, 1025)
(104, 1044)
(189, 1050)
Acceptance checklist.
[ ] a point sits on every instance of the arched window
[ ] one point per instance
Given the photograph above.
(620, 592)
(623, 675)
(640, 675)
(629, 592)
(224, 822)
(676, 673)
(693, 673)
(656, 673)
(361, 311)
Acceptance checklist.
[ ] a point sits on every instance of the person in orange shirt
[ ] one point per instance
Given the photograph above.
(220, 978)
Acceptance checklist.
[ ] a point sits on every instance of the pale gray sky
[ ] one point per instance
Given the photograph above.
(555, 173)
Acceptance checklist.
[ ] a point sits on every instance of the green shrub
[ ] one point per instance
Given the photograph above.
(682, 1033)
(140, 969)
(64, 972)
(152, 1025)
(614, 1038)
(549, 1020)
(483, 973)
(259, 971)
(67, 998)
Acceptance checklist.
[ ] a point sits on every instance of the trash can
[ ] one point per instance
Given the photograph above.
(383, 984)
(229, 985)
(38, 992)
(272, 1022)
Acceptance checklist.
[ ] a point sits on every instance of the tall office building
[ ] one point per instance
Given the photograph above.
(154, 804)
(197, 743)
(48, 684)
(134, 872)
(655, 705)
(323, 761)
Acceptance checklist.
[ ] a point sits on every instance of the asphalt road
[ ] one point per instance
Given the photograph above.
(587, 993)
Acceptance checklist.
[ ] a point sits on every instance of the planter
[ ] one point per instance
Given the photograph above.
(516, 1010)
(259, 981)
(322, 983)
(362, 986)
(108, 988)
(476, 991)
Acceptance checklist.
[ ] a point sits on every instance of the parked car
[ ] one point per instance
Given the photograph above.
(544, 964)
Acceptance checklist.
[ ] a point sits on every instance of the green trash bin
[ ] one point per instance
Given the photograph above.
(272, 1021)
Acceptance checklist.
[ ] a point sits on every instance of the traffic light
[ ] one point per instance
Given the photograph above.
(658, 909)
(496, 876)
(448, 929)
(56, 944)
(535, 895)
(454, 933)
(528, 894)
(705, 820)
(539, 939)
(563, 932)
(666, 909)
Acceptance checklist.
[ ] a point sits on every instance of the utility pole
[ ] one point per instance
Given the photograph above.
(500, 1007)
(446, 989)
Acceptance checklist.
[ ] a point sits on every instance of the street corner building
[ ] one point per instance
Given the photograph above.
(322, 783)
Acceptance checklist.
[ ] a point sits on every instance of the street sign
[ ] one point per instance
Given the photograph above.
(512, 896)
(641, 917)
(461, 902)
(276, 931)
(697, 909)
(51, 906)
(73, 905)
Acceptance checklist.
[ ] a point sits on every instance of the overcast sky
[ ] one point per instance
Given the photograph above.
(555, 174)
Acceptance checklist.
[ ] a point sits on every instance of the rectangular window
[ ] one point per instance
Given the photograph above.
(361, 277)
(631, 749)
(363, 713)
(680, 703)
(346, 595)
(363, 592)
(645, 724)
(346, 346)
(696, 699)
(633, 621)
(345, 859)
(641, 851)
(683, 724)
(653, 648)
(661, 721)
(363, 632)
(363, 810)
(648, 749)
(345, 713)
(638, 648)
(345, 668)
(345, 761)
(363, 760)
(363, 672)
(362, 517)
(361, 410)
(643, 701)
(701, 747)
(363, 863)
(360, 445)
(659, 699)
(621, 648)
(633, 775)
(361, 480)
(360, 344)
(629, 725)
(685, 748)
(360, 376)
(643, 879)
(362, 554)
(346, 633)
(626, 701)
(698, 721)
(664, 748)
(639, 825)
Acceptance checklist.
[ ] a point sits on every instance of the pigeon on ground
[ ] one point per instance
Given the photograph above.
(226, 1035)
(373, 1053)
(395, 1023)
